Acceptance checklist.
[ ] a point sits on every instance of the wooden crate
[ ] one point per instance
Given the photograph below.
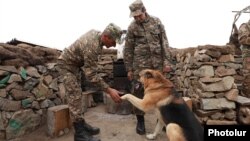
(58, 120)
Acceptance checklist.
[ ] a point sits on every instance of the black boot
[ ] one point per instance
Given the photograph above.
(91, 130)
(140, 127)
(81, 134)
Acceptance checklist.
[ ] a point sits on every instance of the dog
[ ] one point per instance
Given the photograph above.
(172, 111)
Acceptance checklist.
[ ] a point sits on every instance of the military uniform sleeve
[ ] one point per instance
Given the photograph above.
(90, 69)
(129, 50)
(165, 44)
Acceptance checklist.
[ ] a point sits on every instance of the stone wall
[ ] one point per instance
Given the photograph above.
(210, 75)
(29, 84)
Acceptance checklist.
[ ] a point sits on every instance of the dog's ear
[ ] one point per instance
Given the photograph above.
(148, 75)
(158, 75)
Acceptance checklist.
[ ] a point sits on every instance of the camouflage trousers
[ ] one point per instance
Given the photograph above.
(138, 91)
(72, 84)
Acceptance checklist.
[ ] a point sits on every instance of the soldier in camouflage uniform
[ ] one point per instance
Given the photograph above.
(244, 40)
(145, 48)
(83, 55)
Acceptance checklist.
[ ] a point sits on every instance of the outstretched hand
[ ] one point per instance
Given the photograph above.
(114, 94)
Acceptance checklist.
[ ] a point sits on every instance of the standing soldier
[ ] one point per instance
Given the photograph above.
(244, 39)
(145, 48)
(83, 54)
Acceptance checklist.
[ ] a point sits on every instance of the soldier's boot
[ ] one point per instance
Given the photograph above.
(140, 127)
(90, 129)
(81, 134)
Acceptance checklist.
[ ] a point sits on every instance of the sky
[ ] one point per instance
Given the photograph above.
(58, 23)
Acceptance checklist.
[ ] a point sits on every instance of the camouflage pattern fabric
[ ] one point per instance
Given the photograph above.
(114, 31)
(143, 49)
(82, 54)
(72, 84)
(143, 46)
(136, 8)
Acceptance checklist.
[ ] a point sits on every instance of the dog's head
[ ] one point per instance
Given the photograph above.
(149, 76)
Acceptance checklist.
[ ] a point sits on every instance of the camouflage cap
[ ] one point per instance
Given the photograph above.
(136, 8)
(114, 31)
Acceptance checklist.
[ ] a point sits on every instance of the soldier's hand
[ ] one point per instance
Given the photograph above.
(114, 94)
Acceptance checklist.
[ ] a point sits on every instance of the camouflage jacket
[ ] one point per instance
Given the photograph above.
(244, 34)
(84, 53)
(143, 46)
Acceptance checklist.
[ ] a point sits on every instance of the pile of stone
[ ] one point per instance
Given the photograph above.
(29, 85)
(208, 74)
(23, 55)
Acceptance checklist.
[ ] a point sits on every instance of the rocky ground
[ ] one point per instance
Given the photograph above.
(113, 127)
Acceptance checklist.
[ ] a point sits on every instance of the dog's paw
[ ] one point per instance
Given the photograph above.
(151, 136)
(124, 97)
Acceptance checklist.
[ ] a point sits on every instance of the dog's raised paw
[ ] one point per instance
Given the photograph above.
(124, 97)
(151, 136)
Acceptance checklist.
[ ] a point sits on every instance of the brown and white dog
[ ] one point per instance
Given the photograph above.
(172, 111)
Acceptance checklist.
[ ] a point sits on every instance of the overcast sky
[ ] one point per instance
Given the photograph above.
(58, 23)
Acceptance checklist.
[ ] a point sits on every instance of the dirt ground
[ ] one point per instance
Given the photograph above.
(113, 127)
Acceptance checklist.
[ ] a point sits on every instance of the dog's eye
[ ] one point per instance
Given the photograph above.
(148, 75)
